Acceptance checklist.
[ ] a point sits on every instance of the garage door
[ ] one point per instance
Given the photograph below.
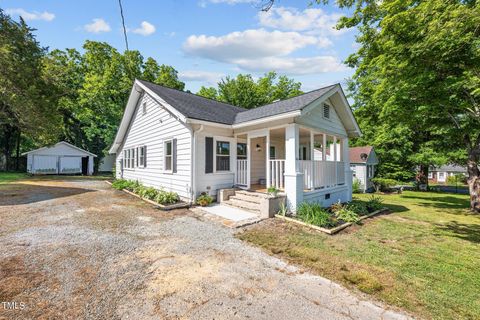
(45, 164)
(70, 164)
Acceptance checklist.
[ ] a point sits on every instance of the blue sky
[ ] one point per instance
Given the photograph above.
(204, 39)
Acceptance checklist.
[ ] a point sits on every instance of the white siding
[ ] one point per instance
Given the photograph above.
(361, 174)
(151, 130)
(212, 182)
(319, 196)
(315, 119)
(258, 161)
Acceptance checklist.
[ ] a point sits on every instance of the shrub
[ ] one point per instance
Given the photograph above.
(272, 190)
(347, 214)
(337, 206)
(383, 184)
(456, 179)
(204, 200)
(357, 186)
(313, 213)
(358, 207)
(283, 209)
(148, 193)
(165, 197)
(136, 187)
(120, 184)
(374, 203)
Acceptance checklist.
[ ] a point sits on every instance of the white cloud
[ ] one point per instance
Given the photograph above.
(205, 76)
(146, 29)
(46, 16)
(293, 66)
(97, 26)
(311, 20)
(249, 44)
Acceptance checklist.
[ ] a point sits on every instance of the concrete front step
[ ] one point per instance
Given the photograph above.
(241, 197)
(244, 205)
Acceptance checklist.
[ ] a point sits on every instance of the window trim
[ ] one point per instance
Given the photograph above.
(215, 155)
(165, 155)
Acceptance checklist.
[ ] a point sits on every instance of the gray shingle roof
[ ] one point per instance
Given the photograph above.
(194, 106)
(200, 108)
(283, 106)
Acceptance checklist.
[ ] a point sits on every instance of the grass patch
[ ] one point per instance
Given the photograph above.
(7, 177)
(425, 257)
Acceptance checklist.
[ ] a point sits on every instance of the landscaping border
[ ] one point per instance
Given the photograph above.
(333, 230)
(178, 205)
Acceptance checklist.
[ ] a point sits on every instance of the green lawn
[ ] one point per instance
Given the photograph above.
(6, 177)
(424, 257)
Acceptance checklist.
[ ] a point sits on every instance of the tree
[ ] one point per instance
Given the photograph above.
(27, 106)
(244, 91)
(94, 87)
(208, 92)
(418, 74)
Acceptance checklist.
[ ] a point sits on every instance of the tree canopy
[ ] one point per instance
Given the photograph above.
(417, 83)
(244, 91)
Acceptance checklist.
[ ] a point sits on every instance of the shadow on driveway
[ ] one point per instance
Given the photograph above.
(18, 194)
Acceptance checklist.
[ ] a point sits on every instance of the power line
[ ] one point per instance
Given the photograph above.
(123, 23)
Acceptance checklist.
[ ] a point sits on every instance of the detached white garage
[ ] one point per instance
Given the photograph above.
(62, 158)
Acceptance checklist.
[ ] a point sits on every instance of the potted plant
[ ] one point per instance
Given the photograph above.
(273, 191)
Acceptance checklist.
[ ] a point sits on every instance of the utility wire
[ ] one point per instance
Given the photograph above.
(123, 23)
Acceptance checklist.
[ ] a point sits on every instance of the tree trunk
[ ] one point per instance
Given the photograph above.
(17, 163)
(474, 181)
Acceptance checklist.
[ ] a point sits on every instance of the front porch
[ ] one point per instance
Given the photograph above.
(295, 159)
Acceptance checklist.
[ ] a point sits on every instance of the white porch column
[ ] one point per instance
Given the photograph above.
(267, 157)
(249, 160)
(312, 160)
(335, 158)
(293, 178)
(324, 159)
(348, 171)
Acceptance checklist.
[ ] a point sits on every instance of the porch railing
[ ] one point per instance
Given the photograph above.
(276, 169)
(325, 173)
(242, 172)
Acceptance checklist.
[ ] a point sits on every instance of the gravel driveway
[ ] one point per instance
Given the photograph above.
(76, 249)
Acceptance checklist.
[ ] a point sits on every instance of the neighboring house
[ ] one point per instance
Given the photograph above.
(441, 173)
(190, 144)
(62, 158)
(363, 161)
(107, 163)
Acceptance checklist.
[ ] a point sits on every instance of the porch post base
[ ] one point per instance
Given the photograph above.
(294, 190)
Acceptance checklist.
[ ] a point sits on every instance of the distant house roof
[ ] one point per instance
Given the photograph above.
(360, 154)
(57, 144)
(449, 168)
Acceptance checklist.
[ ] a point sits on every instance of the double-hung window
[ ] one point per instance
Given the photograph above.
(223, 156)
(168, 158)
(142, 161)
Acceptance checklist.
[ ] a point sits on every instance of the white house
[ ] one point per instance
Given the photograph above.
(363, 161)
(62, 158)
(441, 173)
(190, 144)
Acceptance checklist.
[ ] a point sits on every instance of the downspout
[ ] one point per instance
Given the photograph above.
(192, 161)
